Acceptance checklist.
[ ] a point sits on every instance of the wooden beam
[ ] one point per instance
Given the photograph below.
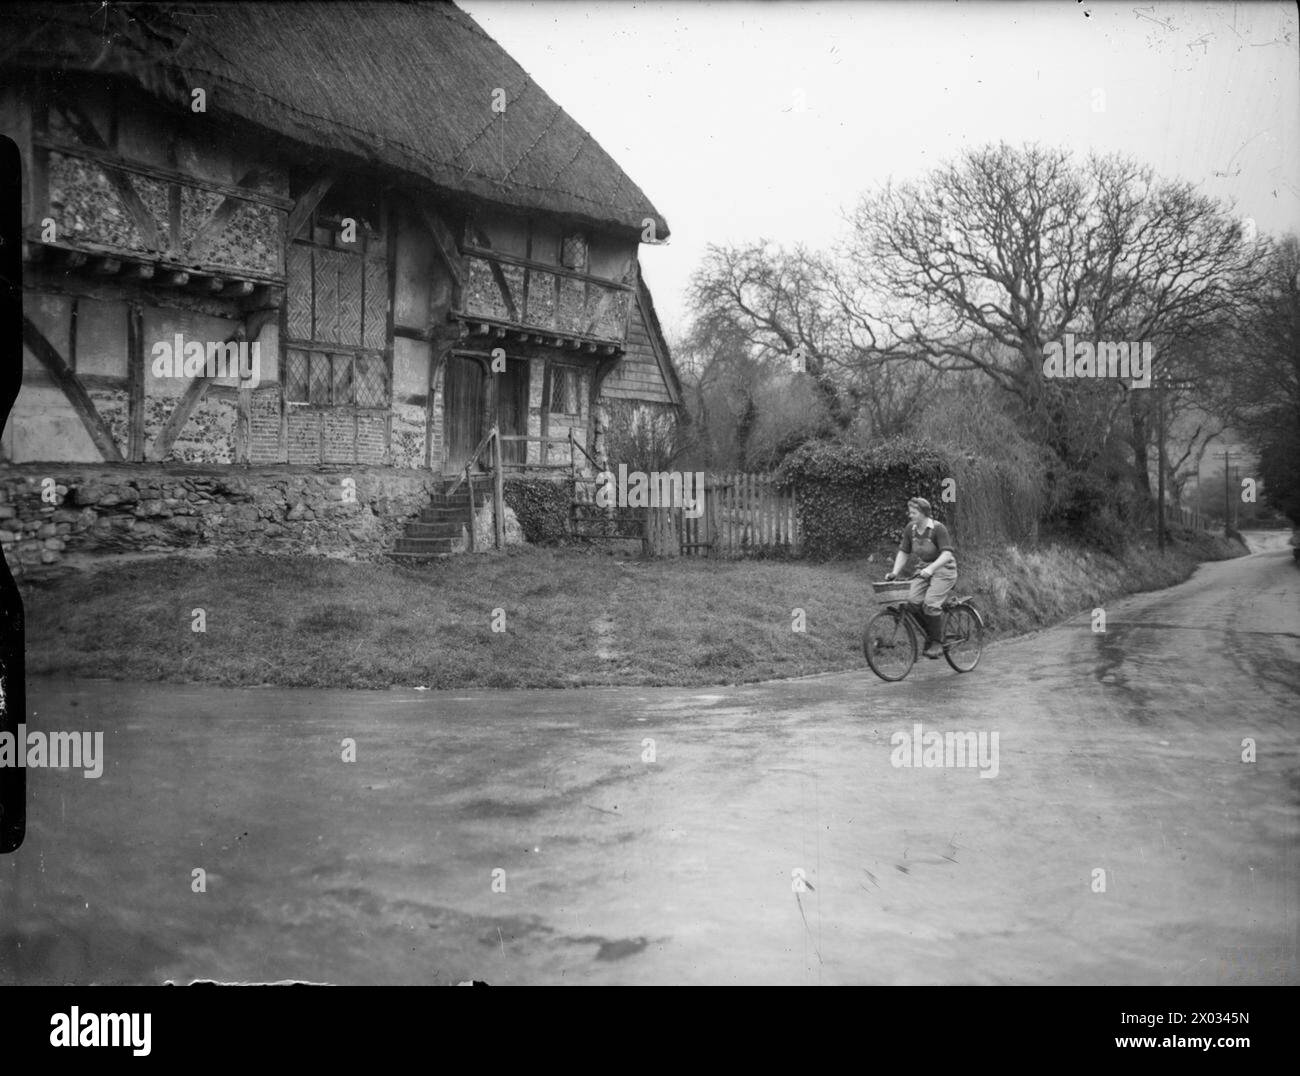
(306, 206)
(85, 130)
(198, 387)
(481, 248)
(219, 218)
(73, 390)
(155, 172)
(503, 285)
(267, 295)
(244, 425)
(444, 243)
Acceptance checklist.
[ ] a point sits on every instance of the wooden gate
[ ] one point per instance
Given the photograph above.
(744, 515)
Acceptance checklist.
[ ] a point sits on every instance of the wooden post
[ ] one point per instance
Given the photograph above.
(711, 515)
(73, 389)
(498, 491)
(135, 370)
(469, 478)
(660, 538)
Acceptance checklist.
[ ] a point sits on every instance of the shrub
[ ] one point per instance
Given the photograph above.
(541, 506)
(853, 500)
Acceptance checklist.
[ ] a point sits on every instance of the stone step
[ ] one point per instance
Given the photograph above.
(458, 501)
(424, 546)
(592, 511)
(444, 515)
(417, 558)
(444, 529)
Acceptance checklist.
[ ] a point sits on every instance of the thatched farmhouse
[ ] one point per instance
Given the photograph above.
(285, 264)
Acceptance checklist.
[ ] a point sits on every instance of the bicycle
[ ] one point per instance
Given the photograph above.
(893, 638)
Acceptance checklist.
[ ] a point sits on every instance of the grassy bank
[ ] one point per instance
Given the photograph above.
(570, 618)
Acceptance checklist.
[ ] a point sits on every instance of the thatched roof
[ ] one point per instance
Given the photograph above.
(407, 86)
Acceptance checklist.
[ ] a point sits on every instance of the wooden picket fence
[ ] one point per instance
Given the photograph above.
(744, 515)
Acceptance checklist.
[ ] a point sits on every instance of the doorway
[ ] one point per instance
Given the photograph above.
(463, 402)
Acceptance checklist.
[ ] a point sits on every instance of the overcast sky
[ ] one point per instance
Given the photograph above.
(747, 120)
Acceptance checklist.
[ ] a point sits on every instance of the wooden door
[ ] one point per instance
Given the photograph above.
(463, 402)
(512, 410)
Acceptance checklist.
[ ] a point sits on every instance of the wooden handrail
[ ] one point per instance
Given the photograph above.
(493, 438)
(590, 459)
(473, 459)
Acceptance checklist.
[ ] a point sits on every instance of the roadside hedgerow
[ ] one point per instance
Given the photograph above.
(852, 500)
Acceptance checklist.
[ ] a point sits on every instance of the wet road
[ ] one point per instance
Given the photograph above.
(1118, 753)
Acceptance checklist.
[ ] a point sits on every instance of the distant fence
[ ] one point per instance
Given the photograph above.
(1192, 518)
(743, 515)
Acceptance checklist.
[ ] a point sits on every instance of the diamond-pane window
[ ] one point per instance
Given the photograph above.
(574, 253)
(342, 379)
(564, 390)
(371, 384)
(295, 377)
(318, 385)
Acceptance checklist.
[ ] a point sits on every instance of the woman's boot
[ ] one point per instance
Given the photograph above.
(934, 629)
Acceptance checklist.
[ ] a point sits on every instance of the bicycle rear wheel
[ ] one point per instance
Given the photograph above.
(963, 637)
(889, 644)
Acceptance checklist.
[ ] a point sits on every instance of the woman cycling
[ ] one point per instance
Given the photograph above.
(929, 541)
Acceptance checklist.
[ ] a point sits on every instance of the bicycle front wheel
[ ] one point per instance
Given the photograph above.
(889, 644)
(963, 637)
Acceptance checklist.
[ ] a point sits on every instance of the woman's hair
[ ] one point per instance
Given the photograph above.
(920, 503)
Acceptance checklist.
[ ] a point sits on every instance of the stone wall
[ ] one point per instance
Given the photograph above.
(48, 512)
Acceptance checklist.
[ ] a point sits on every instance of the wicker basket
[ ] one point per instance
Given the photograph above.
(894, 591)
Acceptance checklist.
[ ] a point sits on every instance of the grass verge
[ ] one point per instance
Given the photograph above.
(570, 618)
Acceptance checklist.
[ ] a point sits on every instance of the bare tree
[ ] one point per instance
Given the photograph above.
(990, 258)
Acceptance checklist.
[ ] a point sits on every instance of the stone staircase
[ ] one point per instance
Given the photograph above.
(442, 527)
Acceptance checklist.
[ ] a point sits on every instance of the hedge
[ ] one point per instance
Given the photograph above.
(852, 500)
